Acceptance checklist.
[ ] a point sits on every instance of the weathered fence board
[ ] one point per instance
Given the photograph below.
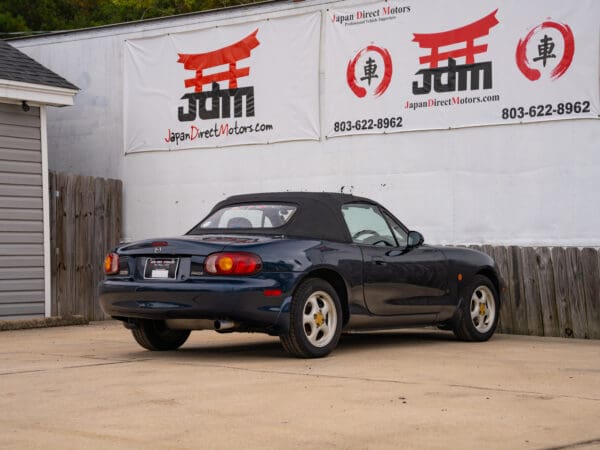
(547, 294)
(576, 293)
(561, 283)
(507, 321)
(85, 221)
(100, 194)
(515, 280)
(531, 291)
(590, 264)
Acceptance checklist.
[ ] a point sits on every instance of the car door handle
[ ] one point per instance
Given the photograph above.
(379, 261)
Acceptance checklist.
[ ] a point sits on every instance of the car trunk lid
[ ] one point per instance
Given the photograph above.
(180, 257)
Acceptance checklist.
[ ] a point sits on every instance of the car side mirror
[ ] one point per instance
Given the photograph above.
(415, 239)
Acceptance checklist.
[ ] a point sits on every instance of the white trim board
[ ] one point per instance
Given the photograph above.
(46, 213)
(36, 93)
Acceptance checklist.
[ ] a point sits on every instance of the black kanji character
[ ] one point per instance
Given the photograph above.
(370, 69)
(545, 50)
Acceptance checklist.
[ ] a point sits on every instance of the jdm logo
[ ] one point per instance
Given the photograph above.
(220, 99)
(369, 71)
(549, 48)
(448, 46)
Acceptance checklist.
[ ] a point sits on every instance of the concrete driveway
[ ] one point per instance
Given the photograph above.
(92, 386)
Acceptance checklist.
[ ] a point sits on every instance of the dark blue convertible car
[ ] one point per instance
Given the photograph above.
(301, 266)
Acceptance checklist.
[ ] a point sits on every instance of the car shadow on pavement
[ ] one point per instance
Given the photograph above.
(400, 338)
(367, 342)
(271, 348)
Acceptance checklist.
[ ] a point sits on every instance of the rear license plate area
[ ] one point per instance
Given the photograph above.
(161, 268)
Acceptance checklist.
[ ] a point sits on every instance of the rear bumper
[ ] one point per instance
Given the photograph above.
(240, 299)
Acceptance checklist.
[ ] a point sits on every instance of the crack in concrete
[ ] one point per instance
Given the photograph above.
(519, 391)
(77, 366)
(573, 445)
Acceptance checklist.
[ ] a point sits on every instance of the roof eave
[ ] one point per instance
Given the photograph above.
(40, 94)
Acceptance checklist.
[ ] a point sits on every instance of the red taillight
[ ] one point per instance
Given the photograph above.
(111, 264)
(232, 263)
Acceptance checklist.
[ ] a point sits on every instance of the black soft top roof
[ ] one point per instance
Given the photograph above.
(318, 215)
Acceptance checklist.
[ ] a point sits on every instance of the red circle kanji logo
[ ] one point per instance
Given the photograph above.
(545, 49)
(370, 72)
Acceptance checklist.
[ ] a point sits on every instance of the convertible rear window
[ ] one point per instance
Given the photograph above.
(259, 215)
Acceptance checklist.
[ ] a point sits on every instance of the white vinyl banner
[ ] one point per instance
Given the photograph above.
(241, 84)
(401, 65)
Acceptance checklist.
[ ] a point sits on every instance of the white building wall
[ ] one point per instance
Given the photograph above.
(535, 184)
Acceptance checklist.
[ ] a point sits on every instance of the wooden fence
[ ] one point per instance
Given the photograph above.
(85, 223)
(550, 291)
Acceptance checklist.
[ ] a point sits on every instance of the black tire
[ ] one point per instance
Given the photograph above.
(155, 335)
(473, 296)
(313, 335)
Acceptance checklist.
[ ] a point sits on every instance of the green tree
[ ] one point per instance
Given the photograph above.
(11, 23)
(32, 16)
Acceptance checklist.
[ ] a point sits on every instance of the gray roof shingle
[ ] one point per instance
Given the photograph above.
(17, 66)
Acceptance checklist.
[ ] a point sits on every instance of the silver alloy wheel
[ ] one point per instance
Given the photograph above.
(319, 318)
(483, 309)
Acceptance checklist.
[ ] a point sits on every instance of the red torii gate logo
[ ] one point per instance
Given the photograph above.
(457, 74)
(221, 99)
(229, 55)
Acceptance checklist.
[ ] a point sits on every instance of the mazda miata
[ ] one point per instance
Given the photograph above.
(302, 266)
